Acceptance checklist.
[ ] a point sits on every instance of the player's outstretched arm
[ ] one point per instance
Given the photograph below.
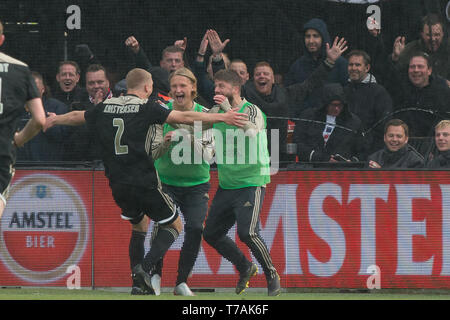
(34, 125)
(188, 117)
(74, 118)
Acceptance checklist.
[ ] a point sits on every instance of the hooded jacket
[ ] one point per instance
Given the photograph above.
(406, 157)
(345, 141)
(303, 67)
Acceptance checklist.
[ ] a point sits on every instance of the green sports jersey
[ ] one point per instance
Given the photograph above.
(242, 159)
(193, 171)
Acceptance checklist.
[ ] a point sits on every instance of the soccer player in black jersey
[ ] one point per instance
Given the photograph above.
(123, 126)
(17, 89)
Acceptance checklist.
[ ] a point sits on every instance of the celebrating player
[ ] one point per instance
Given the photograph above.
(242, 184)
(187, 182)
(17, 89)
(122, 126)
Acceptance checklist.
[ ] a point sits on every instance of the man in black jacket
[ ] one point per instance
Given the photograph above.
(316, 39)
(367, 99)
(68, 90)
(419, 89)
(442, 139)
(397, 153)
(329, 133)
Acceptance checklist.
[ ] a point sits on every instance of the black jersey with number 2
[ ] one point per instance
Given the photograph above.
(17, 86)
(122, 126)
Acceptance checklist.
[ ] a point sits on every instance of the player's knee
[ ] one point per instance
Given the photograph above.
(140, 226)
(245, 236)
(209, 236)
(2, 208)
(192, 236)
(177, 225)
(193, 230)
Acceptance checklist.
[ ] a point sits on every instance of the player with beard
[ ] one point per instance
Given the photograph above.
(240, 195)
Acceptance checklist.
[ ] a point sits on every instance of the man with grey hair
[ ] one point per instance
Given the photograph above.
(367, 99)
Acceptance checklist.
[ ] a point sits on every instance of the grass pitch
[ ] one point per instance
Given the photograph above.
(108, 294)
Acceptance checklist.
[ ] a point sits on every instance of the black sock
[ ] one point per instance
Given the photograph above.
(136, 248)
(164, 239)
(159, 265)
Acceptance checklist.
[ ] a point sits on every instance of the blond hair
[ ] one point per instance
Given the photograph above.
(137, 78)
(1, 28)
(185, 72)
(442, 124)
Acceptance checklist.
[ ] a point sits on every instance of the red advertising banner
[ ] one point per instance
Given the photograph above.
(330, 229)
(45, 230)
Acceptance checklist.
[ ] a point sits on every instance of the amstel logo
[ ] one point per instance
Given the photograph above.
(44, 228)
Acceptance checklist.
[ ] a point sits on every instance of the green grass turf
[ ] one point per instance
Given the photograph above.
(99, 294)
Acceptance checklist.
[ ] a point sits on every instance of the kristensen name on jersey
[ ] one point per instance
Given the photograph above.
(114, 108)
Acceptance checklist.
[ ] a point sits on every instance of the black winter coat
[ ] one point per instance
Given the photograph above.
(371, 103)
(309, 135)
(434, 99)
(440, 160)
(406, 157)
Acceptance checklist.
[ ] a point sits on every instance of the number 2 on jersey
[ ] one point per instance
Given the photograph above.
(119, 148)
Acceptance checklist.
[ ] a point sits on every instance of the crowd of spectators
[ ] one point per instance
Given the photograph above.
(357, 109)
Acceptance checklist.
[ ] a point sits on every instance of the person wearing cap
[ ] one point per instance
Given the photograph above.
(120, 89)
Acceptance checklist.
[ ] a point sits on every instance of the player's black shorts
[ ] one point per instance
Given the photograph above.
(6, 175)
(136, 201)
